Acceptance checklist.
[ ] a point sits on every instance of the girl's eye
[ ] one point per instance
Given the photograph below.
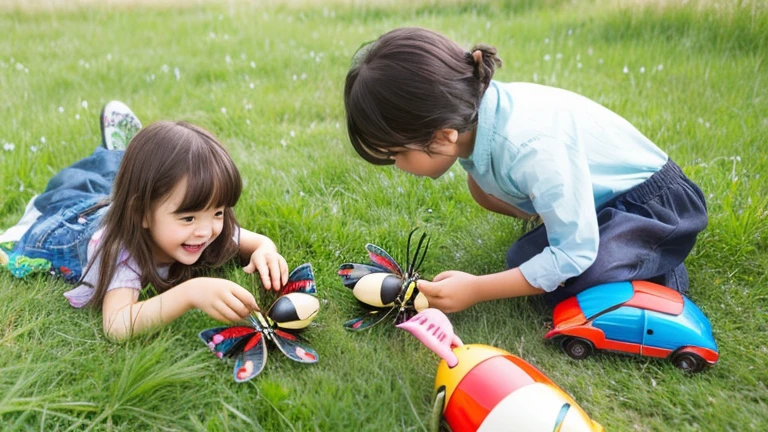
(219, 213)
(188, 218)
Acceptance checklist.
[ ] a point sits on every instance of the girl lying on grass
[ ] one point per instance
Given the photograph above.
(157, 212)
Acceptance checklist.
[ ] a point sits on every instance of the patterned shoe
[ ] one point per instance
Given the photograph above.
(118, 125)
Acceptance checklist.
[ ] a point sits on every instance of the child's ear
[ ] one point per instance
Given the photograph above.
(448, 135)
(144, 222)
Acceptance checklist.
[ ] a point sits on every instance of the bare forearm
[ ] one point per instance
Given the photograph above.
(506, 284)
(250, 241)
(131, 319)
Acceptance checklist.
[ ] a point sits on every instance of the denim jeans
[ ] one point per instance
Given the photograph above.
(645, 234)
(72, 206)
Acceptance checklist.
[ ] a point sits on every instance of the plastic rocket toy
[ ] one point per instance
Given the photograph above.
(482, 388)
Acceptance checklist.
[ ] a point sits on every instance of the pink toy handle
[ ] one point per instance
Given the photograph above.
(435, 331)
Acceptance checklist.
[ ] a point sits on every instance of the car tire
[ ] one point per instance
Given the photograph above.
(577, 348)
(689, 362)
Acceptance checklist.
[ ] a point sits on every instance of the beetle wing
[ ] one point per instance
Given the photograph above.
(252, 360)
(368, 320)
(294, 348)
(380, 257)
(351, 273)
(227, 341)
(301, 279)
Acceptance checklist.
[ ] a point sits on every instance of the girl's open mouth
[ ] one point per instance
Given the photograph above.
(193, 248)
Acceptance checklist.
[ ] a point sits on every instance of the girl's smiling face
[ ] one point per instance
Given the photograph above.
(181, 236)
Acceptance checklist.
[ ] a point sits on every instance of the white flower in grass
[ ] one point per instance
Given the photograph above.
(301, 193)
(165, 68)
(61, 109)
(625, 70)
(251, 85)
(77, 116)
(177, 74)
(558, 56)
(226, 36)
(33, 149)
(546, 41)
(84, 104)
(21, 187)
(152, 77)
(248, 106)
(8, 147)
(589, 51)
(242, 56)
(223, 110)
(547, 57)
(283, 143)
(578, 65)
(42, 139)
(211, 35)
(599, 61)
(292, 134)
(253, 65)
(642, 69)
(227, 59)
(247, 121)
(303, 76)
(338, 125)
(109, 56)
(294, 77)
(660, 67)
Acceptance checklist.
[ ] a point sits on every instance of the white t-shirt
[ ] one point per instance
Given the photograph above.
(127, 274)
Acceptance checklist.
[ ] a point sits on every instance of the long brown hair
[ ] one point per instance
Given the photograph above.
(408, 84)
(156, 160)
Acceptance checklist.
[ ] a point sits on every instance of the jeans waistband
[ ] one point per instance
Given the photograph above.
(669, 174)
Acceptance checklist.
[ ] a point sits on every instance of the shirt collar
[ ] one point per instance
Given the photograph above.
(480, 159)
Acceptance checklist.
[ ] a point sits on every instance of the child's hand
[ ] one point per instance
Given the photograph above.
(271, 266)
(450, 291)
(223, 300)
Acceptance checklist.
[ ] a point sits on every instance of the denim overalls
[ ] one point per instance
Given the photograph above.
(73, 206)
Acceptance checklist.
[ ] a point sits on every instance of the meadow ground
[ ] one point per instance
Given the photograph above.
(267, 78)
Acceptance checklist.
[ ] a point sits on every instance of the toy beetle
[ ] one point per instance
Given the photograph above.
(636, 317)
(384, 286)
(486, 389)
(295, 309)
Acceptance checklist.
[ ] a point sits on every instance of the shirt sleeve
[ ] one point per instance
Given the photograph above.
(126, 275)
(556, 178)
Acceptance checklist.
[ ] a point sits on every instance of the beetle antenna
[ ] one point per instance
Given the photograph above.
(408, 252)
(417, 265)
(416, 261)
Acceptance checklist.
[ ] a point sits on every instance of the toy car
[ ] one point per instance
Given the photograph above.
(636, 317)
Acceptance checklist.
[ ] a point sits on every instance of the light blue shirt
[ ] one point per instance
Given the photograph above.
(552, 152)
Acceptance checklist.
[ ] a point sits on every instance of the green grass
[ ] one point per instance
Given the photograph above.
(267, 80)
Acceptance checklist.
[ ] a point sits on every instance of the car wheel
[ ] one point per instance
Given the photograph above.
(689, 362)
(577, 348)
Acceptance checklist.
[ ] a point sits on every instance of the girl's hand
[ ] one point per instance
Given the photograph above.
(223, 300)
(450, 291)
(271, 266)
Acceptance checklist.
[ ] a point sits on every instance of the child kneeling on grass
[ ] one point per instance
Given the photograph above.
(614, 207)
(167, 216)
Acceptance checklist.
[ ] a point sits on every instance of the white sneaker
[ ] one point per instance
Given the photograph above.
(118, 125)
